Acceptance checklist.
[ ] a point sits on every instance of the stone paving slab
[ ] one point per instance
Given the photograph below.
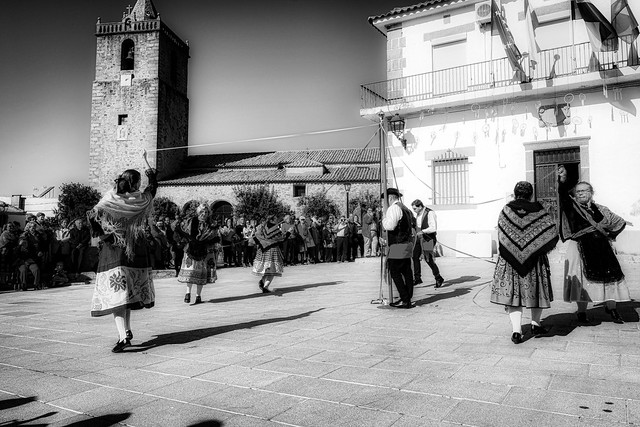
(318, 353)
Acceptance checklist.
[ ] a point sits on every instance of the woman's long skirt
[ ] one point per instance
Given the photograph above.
(531, 291)
(198, 272)
(580, 289)
(268, 263)
(121, 282)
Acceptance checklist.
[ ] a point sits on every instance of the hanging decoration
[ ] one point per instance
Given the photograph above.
(617, 94)
(514, 126)
(535, 133)
(523, 129)
(624, 117)
(554, 115)
(475, 109)
(568, 98)
(576, 120)
(605, 90)
(582, 97)
(590, 120)
(486, 128)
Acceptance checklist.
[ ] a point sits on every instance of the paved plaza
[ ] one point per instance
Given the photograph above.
(318, 353)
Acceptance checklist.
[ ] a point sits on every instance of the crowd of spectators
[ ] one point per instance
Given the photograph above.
(52, 252)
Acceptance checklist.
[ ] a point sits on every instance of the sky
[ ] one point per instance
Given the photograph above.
(257, 69)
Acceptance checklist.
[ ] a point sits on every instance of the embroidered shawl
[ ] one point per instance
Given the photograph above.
(124, 216)
(268, 235)
(525, 232)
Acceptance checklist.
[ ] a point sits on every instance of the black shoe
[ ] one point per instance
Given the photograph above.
(397, 303)
(439, 282)
(129, 334)
(582, 317)
(121, 345)
(516, 338)
(615, 316)
(261, 285)
(187, 298)
(539, 330)
(417, 281)
(198, 300)
(406, 305)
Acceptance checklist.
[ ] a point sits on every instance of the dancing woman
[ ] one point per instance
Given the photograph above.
(201, 236)
(526, 232)
(123, 280)
(592, 271)
(268, 262)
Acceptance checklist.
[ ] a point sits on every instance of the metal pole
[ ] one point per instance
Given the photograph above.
(385, 201)
(347, 204)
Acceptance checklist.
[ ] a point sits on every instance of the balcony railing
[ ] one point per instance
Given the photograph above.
(496, 73)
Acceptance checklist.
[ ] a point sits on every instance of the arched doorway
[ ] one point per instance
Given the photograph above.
(221, 210)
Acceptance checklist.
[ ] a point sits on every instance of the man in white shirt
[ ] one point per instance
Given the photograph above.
(426, 227)
(399, 223)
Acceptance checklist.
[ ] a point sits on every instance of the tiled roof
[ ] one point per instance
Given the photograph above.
(407, 9)
(285, 158)
(335, 174)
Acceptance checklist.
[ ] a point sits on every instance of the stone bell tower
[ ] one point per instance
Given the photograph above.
(139, 97)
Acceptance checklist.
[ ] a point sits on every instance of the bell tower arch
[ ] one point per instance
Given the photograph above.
(139, 96)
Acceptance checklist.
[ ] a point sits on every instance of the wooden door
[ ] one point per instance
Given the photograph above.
(546, 164)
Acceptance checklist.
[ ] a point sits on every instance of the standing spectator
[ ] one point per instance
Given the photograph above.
(592, 271)
(63, 247)
(303, 233)
(154, 248)
(316, 231)
(367, 221)
(226, 233)
(353, 237)
(522, 277)
(289, 245)
(79, 238)
(311, 242)
(178, 244)
(168, 231)
(426, 231)
(8, 256)
(248, 233)
(124, 280)
(329, 242)
(342, 236)
(239, 242)
(30, 256)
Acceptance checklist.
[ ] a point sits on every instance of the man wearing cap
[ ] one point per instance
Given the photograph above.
(399, 223)
(426, 228)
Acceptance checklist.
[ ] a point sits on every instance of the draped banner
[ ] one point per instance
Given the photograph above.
(512, 51)
(602, 35)
(626, 25)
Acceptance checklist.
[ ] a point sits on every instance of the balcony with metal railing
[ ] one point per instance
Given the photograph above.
(553, 63)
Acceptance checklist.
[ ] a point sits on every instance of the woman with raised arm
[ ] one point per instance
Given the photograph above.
(592, 271)
(124, 279)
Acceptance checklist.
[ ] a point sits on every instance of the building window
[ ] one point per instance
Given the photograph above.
(299, 190)
(126, 55)
(451, 181)
(122, 119)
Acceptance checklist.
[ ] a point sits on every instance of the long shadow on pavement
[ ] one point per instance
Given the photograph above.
(102, 420)
(441, 296)
(563, 324)
(277, 292)
(212, 423)
(184, 337)
(461, 279)
(18, 401)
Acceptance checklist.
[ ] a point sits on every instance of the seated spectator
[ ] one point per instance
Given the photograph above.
(29, 256)
(59, 276)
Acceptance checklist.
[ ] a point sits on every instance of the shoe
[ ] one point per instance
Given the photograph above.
(439, 282)
(129, 335)
(615, 316)
(396, 304)
(539, 330)
(406, 305)
(121, 345)
(198, 300)
(582, 317)
(516, 338)
(187, 298)
(417, 281)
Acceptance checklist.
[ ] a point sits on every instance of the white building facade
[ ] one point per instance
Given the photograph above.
(473, 126)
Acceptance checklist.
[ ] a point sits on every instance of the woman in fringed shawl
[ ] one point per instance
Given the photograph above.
(123, 280)
(592, 271)
(526, 232)
(269, 262)
(198, 262)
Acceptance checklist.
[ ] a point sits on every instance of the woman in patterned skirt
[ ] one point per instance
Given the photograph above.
(268, 262)
(201, 236)
(526, 232)
(592, 271)
(123, 280)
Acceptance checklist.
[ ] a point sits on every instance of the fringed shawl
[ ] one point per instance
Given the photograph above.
(124, 216)
(268, 237)
(525, 232)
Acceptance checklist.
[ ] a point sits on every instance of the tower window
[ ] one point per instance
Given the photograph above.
(122, 119)
(127, 55)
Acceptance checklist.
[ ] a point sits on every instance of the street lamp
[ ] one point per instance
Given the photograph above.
(397, 127)
(347, 188)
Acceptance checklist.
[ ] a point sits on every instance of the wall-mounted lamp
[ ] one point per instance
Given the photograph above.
(397, 127)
